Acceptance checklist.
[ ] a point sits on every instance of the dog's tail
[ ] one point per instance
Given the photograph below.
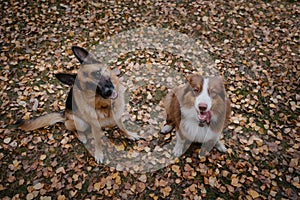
(39, 122)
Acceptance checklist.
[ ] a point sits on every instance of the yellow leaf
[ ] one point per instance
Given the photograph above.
(176, 169)
(297, 185)
(100, 185)
(120, 147)
(97, 186)
(153, 196)
(272, 105)
(235, 182)
(253, 193)
(61, 197)
(166, 191)
(79, 186)
(43, 157)
(75, 177)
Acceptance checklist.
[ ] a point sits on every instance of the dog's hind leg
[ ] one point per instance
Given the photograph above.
(74, 123)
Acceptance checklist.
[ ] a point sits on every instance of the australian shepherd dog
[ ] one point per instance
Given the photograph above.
(198, 110)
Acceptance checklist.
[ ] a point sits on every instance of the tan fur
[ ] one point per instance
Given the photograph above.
(45, 120)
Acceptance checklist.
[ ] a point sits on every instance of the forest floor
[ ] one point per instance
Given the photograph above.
(254, 46)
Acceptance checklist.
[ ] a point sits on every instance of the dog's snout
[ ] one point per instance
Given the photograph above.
(108, 91)
(109, 84)
(202, 107)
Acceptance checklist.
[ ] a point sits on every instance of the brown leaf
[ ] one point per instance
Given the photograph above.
(235, 181)
(166, 191)
(141, 187)
(38, 186)
(253, 193)
(61, 197)
(60, 170)
(143, 178)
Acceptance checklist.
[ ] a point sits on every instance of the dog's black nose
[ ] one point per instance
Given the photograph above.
(202, 107)
(108, 91)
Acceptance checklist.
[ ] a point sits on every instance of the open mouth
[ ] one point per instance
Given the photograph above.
(204, 117)
(113, 95)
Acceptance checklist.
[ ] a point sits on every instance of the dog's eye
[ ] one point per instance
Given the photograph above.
(96, 74)
(196, 90)
(213, 93)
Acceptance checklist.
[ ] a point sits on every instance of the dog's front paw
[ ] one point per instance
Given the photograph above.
(166, 129)
(99, 156)
(221, 147)
(178, 150)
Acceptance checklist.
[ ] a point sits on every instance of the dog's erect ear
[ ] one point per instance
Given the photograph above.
(221, 87)
(83, 55)
(191, 77)
(68, 79)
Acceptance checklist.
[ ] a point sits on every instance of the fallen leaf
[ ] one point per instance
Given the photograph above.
(253, 193)
(166, 191)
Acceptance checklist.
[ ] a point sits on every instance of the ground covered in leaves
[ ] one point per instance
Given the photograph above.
(254, 45)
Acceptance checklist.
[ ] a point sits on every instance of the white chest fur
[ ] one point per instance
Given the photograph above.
(190, 128)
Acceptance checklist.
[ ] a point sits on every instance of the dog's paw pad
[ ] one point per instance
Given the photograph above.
(166, 129)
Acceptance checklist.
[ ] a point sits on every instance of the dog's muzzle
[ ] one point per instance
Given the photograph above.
(107, 90)
(111, 93)
(204, 118)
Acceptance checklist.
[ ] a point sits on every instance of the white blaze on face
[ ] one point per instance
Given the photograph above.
(203, 97)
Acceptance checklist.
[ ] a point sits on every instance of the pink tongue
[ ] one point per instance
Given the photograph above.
(204, 117)
(114, 95)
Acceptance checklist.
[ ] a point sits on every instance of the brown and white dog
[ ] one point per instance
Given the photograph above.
(199, 111)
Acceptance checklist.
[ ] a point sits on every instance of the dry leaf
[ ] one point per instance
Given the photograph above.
(253, 46)
(253, 193)
(166, 191)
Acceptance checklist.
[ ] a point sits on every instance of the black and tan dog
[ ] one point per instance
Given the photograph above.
(95, 101)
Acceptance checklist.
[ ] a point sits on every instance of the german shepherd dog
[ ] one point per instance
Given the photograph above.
(95, 101)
